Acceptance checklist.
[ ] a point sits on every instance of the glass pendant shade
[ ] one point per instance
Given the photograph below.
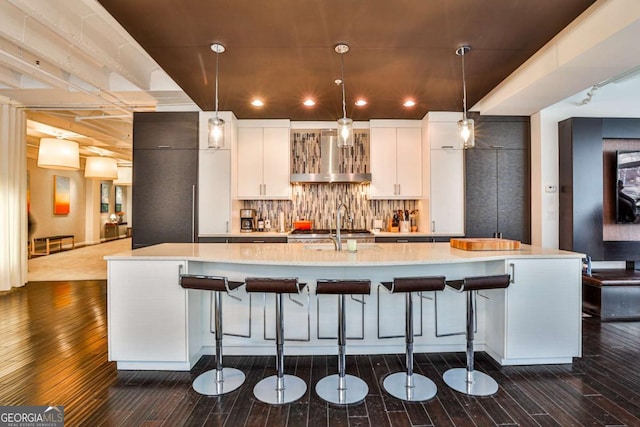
(216, 133)
(465, 126)
(60, 154)
(101, 168)
(345, 132)
(345, 125)
(125, 176)
(465, 133)
(216, 124)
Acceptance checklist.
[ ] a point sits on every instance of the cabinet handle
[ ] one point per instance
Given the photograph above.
(180, 267)
(446, 146)
(193, 214)
(497, 146)
(433, 226)
(513, 272)
(164, 146)
(257, 241)
(227, 226)
(264, 189)
(402, 241)
(399, 190)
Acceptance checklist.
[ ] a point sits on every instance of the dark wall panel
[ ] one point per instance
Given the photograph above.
(581, 186)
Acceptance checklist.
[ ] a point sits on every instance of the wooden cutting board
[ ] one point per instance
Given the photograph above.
(485, 244)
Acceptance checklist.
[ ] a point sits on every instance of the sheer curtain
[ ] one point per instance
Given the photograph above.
(13, 197)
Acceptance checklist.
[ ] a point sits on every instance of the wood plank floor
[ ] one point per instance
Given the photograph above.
(53, 351)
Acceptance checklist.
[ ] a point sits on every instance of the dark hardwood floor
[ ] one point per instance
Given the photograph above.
(53, 351)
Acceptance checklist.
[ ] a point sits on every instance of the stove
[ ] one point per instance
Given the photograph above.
(317, 235)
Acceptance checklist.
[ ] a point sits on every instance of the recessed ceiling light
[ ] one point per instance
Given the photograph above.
(361, 102)
(309, 102)
(409, 103)
(257, 102)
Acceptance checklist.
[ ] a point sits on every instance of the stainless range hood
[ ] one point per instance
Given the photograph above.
(329, 165)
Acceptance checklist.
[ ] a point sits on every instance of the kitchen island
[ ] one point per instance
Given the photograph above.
(155, 324)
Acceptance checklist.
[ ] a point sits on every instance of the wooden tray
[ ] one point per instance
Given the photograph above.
(485, 244)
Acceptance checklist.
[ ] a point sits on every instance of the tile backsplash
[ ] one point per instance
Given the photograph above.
(318, 203)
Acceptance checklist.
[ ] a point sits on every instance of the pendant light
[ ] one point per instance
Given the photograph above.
(465, 126)
(345, 125)
(101, 168)
(62, 154)
(216, 125)
(125, 175)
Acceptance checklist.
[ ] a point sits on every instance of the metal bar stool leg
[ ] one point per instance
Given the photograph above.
(408, 385)
(280, 388)
(341, 388)
(219, 380)
(467, 380)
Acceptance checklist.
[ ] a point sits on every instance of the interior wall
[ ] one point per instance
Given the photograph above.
(41, 205)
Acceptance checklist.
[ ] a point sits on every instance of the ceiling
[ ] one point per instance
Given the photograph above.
(81, 70)
(282, 51)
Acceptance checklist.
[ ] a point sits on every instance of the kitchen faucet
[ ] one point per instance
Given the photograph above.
(337, 242)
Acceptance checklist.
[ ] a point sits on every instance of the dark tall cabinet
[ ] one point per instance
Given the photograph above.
(165, 176)
(498, 200)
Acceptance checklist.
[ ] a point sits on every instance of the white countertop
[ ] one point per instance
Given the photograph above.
(324, 255)
(254, 234)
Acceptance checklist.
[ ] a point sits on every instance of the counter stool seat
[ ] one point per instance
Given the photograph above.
(408, 385)
(340, 388)
(467, 380)
(220, 380)
(280, 388)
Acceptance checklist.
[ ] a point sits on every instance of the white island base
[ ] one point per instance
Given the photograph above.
(155, 324)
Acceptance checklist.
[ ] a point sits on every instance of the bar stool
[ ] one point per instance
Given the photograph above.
(408, 385)
(467, 380)
(340, 388)
(219, 380)
(280, 388)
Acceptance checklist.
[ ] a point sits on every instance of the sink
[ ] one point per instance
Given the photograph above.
(331, 247)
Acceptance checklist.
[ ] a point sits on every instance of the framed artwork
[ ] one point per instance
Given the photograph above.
(104, 198)
(61, 195)
(118, 198)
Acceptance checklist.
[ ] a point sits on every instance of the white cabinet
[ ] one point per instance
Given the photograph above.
(446, 179)
(147, 312)
(538, 317)
(214, 192)
(396, 163)
(263, 163)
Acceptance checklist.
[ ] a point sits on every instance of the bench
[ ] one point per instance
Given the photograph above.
(43, 245)
(612, 294)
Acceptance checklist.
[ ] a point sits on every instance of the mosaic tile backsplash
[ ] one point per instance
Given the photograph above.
(318, 203)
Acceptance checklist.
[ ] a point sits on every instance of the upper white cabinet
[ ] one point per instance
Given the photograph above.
(214, 192)
(214, 176)
(396, 159)
(263, 160)
(446, 168)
